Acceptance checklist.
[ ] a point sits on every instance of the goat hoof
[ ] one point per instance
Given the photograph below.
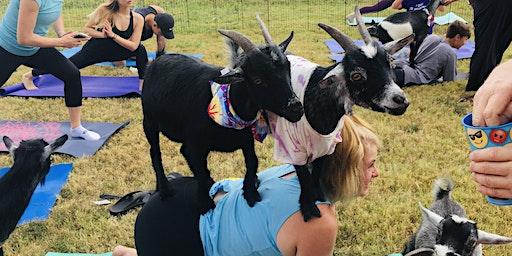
(252, 197)
(205, 205)
(310, 212)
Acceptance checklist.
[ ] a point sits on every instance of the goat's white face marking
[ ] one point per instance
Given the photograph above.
(391, 90)
(458, 219)
(397, 31)
(369, 50)
(442, 250)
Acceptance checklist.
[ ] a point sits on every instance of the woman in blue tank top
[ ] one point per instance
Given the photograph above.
(23, 41)
(275, 225)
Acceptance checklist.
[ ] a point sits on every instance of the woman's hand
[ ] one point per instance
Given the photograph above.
(107, 30)
(492, 169)
(69, 41)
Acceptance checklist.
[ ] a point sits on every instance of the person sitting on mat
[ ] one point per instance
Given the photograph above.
(116, 31)
(273, 227)
(23, 41)
(436, 58)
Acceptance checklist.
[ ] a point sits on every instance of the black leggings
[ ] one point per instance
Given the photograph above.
(170, 226)
(98, 50)
(51, 60)
(493, 34)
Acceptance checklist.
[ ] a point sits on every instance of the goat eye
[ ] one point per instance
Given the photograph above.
(258, 81)
(356, 76)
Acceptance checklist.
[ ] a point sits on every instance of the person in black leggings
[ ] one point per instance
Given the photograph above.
(116, 32)
(23, 41)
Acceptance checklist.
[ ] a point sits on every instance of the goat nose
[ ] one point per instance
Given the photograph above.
(399, 99)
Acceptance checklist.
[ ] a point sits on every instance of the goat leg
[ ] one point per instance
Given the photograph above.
(318, 167)
(307, 197)
(251, 181)
(412, 54)
(1, 251)
(196, 158)
(162, 184)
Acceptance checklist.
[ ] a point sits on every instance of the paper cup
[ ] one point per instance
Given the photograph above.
(485, 137)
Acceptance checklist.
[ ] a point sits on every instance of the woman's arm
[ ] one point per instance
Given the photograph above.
(58, 26)
(134, 41)
(160, 43)
(397, 4)
(27, 17)
(91, 30)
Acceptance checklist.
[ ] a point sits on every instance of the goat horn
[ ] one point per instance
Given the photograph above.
(264, 30)
(239, 39)
(361, 27)
(342, 39)
(489, 238)
(433, 217)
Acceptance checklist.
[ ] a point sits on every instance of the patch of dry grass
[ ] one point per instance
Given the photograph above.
(425, 143)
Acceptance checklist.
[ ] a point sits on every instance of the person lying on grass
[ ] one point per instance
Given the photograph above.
(436, 58)
(273, 227)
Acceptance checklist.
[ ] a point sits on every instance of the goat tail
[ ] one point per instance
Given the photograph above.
(432, 6)
(442, 188)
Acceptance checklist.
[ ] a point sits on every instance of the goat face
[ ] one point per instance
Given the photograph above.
(266, 72)
(368, 77)
(458, 236)
(366, 71)
(35, 151)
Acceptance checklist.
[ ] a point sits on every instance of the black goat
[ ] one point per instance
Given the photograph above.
(176, 97)
(445, 230)
(31, 165)
(402, 24)
(328, 93)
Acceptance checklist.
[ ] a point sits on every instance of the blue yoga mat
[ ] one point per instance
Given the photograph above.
(465, 52)
(49, 131)
(439, 20)
(129, 63)
(44, 196)
(78, 254)
(92, 86)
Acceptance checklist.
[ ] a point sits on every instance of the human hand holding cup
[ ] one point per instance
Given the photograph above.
(491, 161)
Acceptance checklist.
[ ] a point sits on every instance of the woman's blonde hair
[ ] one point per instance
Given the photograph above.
(104, 12)
(341, 176)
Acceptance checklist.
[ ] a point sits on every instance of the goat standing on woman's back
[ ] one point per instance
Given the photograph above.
(31, 165)
(181, 99)
(328, 93)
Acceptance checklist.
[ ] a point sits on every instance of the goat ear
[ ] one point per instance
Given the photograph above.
(328, 81)
(9, 144)
(431, 216)
(233, 76)
(421, 252)
(285, 43)
(49, 149)
(489, 238)
(397, 45)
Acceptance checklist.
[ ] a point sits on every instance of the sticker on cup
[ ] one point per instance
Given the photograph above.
(488, 136)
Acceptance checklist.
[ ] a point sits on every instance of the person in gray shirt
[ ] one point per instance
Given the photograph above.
(436, 58)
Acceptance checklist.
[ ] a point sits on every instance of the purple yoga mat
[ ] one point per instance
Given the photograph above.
(465, 52)
(93, 86)
(49, 131)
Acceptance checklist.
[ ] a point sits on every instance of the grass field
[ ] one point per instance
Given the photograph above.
(425, 143)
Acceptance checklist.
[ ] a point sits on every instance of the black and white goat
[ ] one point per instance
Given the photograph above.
(176, 97)
(402, 24)
(31, 165)
(445, 230)
(328, 93)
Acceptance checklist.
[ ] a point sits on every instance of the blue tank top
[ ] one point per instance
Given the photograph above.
(49, 12)
(415, 5)
(234, 228)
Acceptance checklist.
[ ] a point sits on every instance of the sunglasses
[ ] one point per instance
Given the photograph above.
(476, 135)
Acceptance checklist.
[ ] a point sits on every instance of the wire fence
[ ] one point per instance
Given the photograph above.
(201, 16)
